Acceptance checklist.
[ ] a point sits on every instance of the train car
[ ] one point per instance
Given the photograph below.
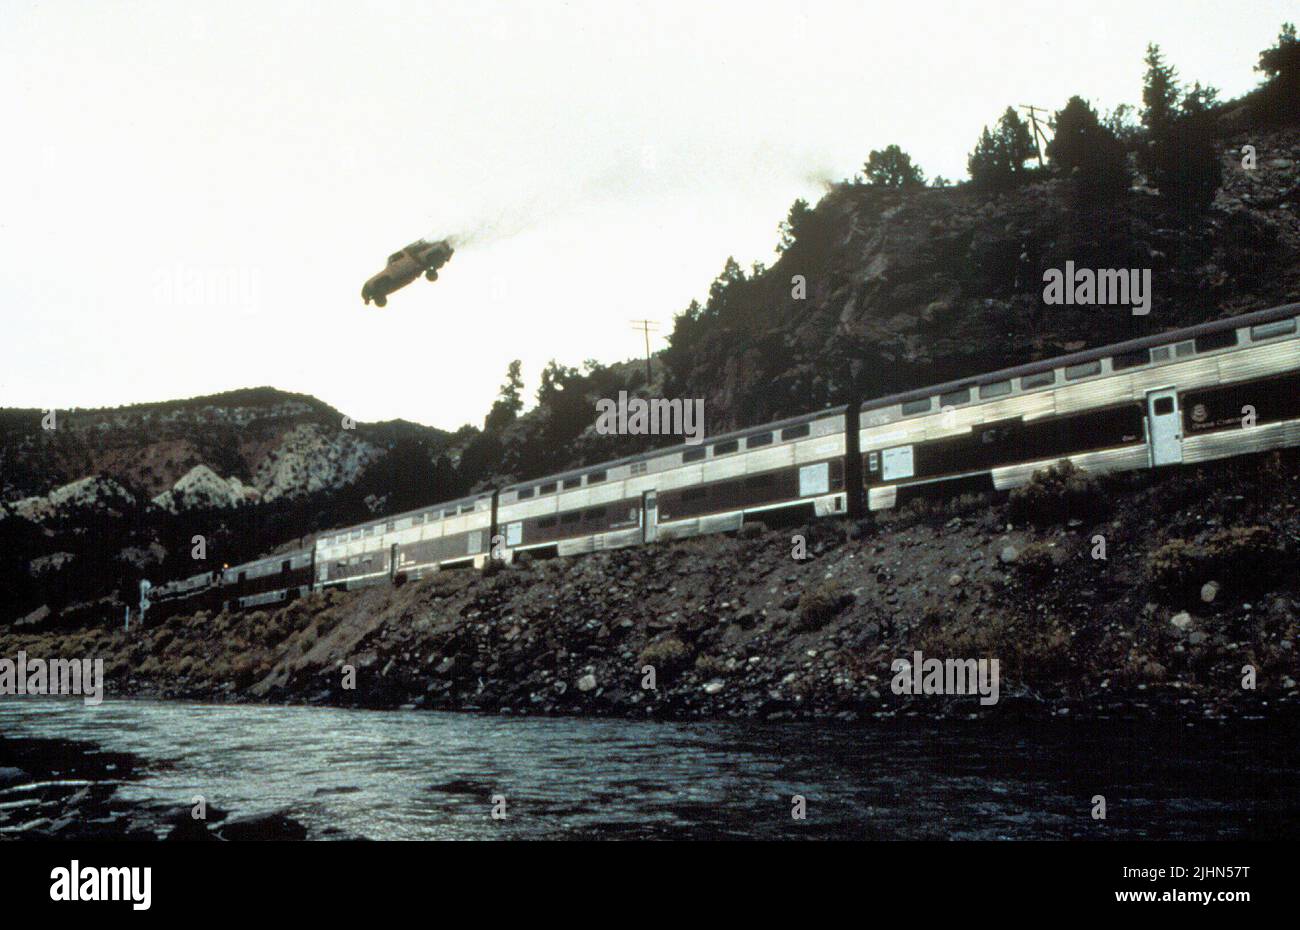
(184, 595)
(449, 535)
(687, 490)
(1182, 396)
(410, 544)
(271, 580)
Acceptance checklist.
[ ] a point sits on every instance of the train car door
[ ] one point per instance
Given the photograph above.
(1165, 427)
(649, 516)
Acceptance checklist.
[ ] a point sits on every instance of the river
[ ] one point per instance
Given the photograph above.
(426, 775)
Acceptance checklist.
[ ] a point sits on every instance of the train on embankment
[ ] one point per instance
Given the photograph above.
(1191, 395)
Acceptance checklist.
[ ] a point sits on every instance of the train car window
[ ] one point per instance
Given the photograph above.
(417, 519)
(795, 432)
(758, 481)
(545, 523)
(448, 514)
(524, 494)
(694, 494)
(571, 483)
(873, 461)
(723, 448)
(467, 508)
(548, 488)
(996, 389)
(760, 439)
(693, 455)
(1130, 360)
(571, 517)
(596, 513)
(1042, 379)
(595, 476)
(1212, 341)
(1184, 348)
(390, 527)
(1075, 372)
(1164, 406)
(639, 468)
(953, 398)
(1272, 330)
(916, 406)
(1160, 355)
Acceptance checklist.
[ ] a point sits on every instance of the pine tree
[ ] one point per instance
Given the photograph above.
(1087, 152)
(509, 402)
(998, 161)
(892, 167)
(1159, 93)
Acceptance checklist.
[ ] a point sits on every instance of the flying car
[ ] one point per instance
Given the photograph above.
(405, 266)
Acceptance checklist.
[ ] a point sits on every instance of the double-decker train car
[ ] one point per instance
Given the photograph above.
(411, 544)
(688, 490)
(270, 580)
(1200, 393)
(1204, 392)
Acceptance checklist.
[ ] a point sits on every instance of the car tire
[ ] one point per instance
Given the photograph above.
(431, 275)
(381, 301)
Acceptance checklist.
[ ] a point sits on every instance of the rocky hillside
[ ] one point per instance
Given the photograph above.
(1196, 586)
(262, 444)
(908, 288)
(93, 500)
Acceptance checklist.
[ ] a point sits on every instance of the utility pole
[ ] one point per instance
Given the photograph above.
(1038, 133)
(646, 326)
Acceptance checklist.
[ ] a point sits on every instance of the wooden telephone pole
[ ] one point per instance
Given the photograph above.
(1038, 132)
(646, 326)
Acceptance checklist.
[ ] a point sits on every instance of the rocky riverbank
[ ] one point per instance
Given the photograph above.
(1193, 611)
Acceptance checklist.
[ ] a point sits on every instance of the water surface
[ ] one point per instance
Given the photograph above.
(429, 775)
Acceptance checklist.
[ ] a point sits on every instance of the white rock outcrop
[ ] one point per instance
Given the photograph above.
(93, 493)
(311, 458)
(202, 488)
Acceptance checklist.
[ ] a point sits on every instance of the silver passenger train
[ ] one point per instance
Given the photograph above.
(1190, 395)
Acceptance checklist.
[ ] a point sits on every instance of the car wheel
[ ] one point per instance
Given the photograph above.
(431, 275)
(381, 301)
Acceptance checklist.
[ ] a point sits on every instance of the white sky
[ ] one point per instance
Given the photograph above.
(191, 195)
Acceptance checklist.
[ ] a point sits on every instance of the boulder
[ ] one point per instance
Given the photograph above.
(12, 776)
(262, 827)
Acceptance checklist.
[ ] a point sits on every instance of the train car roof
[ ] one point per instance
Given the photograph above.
(392, 518)
(1087, 355)
(680, 447)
